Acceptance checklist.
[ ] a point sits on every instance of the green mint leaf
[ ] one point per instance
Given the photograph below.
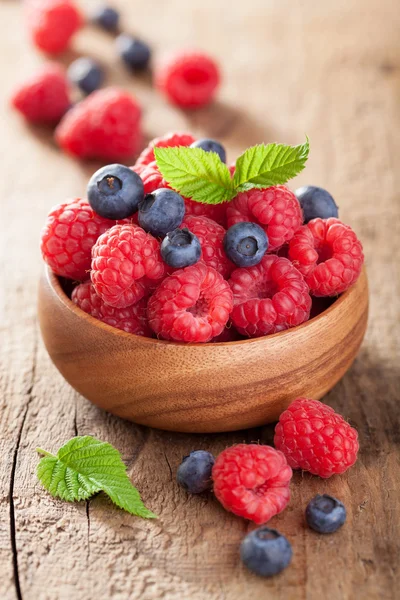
(265, 165)
(84, 466)
(196, 174)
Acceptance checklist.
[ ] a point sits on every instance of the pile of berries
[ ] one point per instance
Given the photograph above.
(201, 272)
(107, 124)
(253, 481)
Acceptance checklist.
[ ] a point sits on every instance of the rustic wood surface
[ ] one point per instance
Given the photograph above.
(330, 69)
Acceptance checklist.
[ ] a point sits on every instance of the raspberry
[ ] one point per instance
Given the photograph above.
(329, 255)
(269, 297)
(276, 209)
(211, 237)
(252, 481)
(315, 438)
(106, 125)
(125, 261)
(70, 231)
(189, 80)
(132, 319)
(191, 305)
(52, 23)
(44, 97)
(170, 140)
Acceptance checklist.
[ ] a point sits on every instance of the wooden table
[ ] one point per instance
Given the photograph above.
(329, 69)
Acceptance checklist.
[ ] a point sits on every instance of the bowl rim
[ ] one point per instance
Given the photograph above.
(53, 281)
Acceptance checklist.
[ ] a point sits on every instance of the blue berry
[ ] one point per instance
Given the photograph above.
(194, 472)
(325, 514)
(161, 211)
(211, 146)
(135, 53)
(245, 244)
(316, 202)
(106, 17)
(265, 551)
(180, 248)
(114, 192)
(86, 74)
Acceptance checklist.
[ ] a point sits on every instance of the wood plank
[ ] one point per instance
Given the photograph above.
(329, 69)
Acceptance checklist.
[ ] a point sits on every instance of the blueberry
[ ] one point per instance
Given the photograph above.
(211, 146)
(86, 74)
(106, 17)
(316, 202)
(114, 192)
(161, 211)
(265, 551)
(245, 244)
(135, 53)
(194, 472)
(180, 248)
(325, 514)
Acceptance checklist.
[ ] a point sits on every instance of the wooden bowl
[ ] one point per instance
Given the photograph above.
(200, 387)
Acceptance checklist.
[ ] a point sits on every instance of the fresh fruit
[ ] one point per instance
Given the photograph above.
(161, 212)
(169, 140)
(229, 334)
(86, 74)
(245, 244)
(269, 297)
(276, 209)
(125, 262)
(328, 254)
(325, 514)
(194, 472)
(316, 203)
(52, 23)
(132, 319)
(180, 248)
(106, 125)
(114, 192)
(210, 146)
(106, 17)
(316, 439)
(252, 481)
(44, 96)
(211, 238)
(191, 305)
(70, 232)
(135, 53)
(266, 552)
(189, 80)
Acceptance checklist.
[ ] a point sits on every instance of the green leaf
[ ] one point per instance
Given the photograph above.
(195, 174)
(265, 165)
(84, 466)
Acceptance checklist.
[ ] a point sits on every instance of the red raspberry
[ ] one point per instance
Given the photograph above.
(189, 80)
(315, 438)
(70, 231)
(270, 297)
(252, 481)
(211, 237)
(132, 319)
(125, 260)
(329, 255)
(52, 23)
(44, 97)
(276, 209)
(191, 305)
(229, 334)
(106, 125)
(170, 140)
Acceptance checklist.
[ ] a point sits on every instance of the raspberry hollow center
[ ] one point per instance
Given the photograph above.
(200, 309)
(324, 253)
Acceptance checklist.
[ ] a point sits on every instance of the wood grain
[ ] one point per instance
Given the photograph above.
(200, 388)
(330, 69)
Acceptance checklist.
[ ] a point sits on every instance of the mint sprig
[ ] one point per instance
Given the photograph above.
(203, 177)
(84, 466)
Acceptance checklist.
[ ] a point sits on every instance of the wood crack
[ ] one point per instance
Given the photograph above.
(169, 466)
(13, 537)
(88, 531)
